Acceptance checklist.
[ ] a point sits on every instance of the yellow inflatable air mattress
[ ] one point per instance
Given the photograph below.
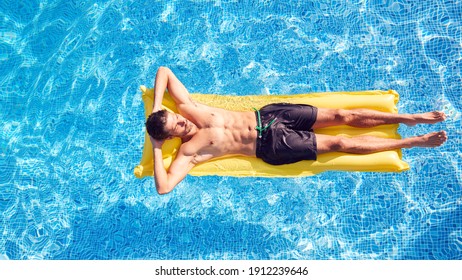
(384, 101)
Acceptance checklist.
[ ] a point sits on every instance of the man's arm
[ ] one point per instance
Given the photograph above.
(165, 79)
(180, 167)
(167, 180)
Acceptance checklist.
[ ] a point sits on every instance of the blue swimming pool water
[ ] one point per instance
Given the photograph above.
(72, 128)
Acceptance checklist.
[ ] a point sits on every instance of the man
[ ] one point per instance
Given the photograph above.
(277, 133)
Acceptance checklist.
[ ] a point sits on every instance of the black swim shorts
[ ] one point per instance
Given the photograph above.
(289, 137)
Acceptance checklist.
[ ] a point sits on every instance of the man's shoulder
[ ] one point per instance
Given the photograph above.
(193, 105)
(192, 146)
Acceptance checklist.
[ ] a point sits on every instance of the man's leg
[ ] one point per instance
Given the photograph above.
(370, 118)
(372, 144)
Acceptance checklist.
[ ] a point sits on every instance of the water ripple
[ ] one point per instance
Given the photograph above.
(71, 130)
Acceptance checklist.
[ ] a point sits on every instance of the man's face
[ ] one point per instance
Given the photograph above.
(177, 125)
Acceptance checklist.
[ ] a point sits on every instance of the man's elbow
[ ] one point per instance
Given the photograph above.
(163, 190)
(163, 69)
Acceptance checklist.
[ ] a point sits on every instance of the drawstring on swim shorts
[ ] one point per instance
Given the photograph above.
(259, 128)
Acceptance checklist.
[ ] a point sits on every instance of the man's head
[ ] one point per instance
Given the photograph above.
(155, 125)
(163, 124)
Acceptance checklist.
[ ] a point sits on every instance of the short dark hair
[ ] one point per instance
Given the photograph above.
(155, 125)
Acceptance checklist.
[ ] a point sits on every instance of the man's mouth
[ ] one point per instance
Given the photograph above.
(187, 127)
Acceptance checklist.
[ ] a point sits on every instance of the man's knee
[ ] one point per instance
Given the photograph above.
(341, 115)
(341, 144)
(337, 144)
(328, 144)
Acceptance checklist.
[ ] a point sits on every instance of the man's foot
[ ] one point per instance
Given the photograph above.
(428, 118)
(430, 140)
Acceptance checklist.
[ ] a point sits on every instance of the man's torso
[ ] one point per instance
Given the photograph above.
(220, 132)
